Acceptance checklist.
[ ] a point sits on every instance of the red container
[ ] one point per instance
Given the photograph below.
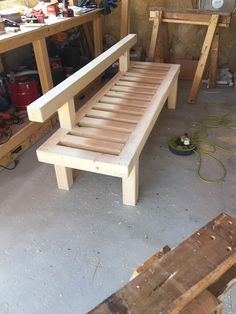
(23, 92)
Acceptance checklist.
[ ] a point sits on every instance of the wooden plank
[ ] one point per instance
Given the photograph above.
(179, 277)
(124, 95)
(113, 116)
(101, 146)
(143, 75)
(89, 40)
(154, 37)
(137, 85)
(203, 58)
(97, 35)
(130, 186)
(124, 62)
(214, 60)
(119, 109)
(43, 66)
(127, 78)
(194, 16)
(125, 18)
(107, 125)
(67, 114)
(64, 177)
(117, 137)
(123, 102)
(46, 105)
(142, 91)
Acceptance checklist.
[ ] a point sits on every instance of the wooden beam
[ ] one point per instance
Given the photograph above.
(45, 106)
(203, 58)
(125, 18)
(97, 34)
(154, 37)
(214, 60)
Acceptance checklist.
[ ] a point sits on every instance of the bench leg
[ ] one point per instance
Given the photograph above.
(172, 99)
(130, 186)
(64, 177)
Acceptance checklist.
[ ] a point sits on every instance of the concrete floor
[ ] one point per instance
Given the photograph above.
(64, 252)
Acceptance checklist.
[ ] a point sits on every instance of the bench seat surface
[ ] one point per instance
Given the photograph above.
(113, 126)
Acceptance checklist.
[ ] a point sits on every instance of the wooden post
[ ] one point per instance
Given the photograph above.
(154, 38)
(203, 58)
(67, 115)
(64, 177)
(172, 99)
(130, 186)
(214, 60)
(125, 18)
(43, 65)
(124, 62)
(97, 34)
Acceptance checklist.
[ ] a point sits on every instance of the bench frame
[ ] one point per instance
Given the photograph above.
(61, 99)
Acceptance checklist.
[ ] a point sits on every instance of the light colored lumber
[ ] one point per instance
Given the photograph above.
(43, 65)
(124, 95)
(124, 62)
(137, 85)
(125, 18)
(124, 102)
(101, 146)
(107, 125)
(214, 60)
(64, 177)
(142, 75)
(129, 78)
(67, 114)
(203, 58)
(172, 99)
(43, 108)
(117, 137)
(135, 90)
(154, 37)
(113, 116)
(130, 186)
(119, 109)
(97, 35)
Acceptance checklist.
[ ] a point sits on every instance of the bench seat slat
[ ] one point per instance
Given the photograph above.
(117, 137)
(124, 102)
(135, 90)
(101, 146)
(141, 80)
(149, 71)
(138, 85)
(148, 75)
(119, 109)
(113, 116)
(107, 125)
(125, 95)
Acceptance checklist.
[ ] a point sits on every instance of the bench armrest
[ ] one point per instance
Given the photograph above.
(44, 107)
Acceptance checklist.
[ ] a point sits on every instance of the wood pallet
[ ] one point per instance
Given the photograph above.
(185, 280)
(108, 133)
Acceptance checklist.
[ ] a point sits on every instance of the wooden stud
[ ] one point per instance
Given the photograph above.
(130, 186)
(97, 34)
(172, 99)
(125, 18)
(43, 65)
(214, 60)
(124, 62)
(154, 38)
(67, 114)
(64, 177)
(203, 58)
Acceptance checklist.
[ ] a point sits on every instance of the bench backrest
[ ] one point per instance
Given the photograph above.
(61, 97)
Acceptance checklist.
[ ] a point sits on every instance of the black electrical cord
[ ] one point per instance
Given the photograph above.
(15, 162)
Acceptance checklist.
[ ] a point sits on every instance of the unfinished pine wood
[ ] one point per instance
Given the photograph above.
(112, 127)
(214, 60)
(175, 280)
(130, 186)
(125, 18)
(43, 108)
(172, 99)
(64, 177)
(142, 91)
(154, 37)
(124, 62)
(97, 35)
(203, 58)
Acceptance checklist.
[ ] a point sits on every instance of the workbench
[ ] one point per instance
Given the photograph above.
(32, 132)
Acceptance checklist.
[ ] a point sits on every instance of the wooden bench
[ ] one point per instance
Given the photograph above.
(108, 133)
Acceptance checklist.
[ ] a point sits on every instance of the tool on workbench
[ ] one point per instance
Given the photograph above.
(66, 11)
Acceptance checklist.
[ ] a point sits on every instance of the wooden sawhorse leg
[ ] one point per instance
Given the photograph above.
(172, 99)
(130, 186)
(64, 177)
